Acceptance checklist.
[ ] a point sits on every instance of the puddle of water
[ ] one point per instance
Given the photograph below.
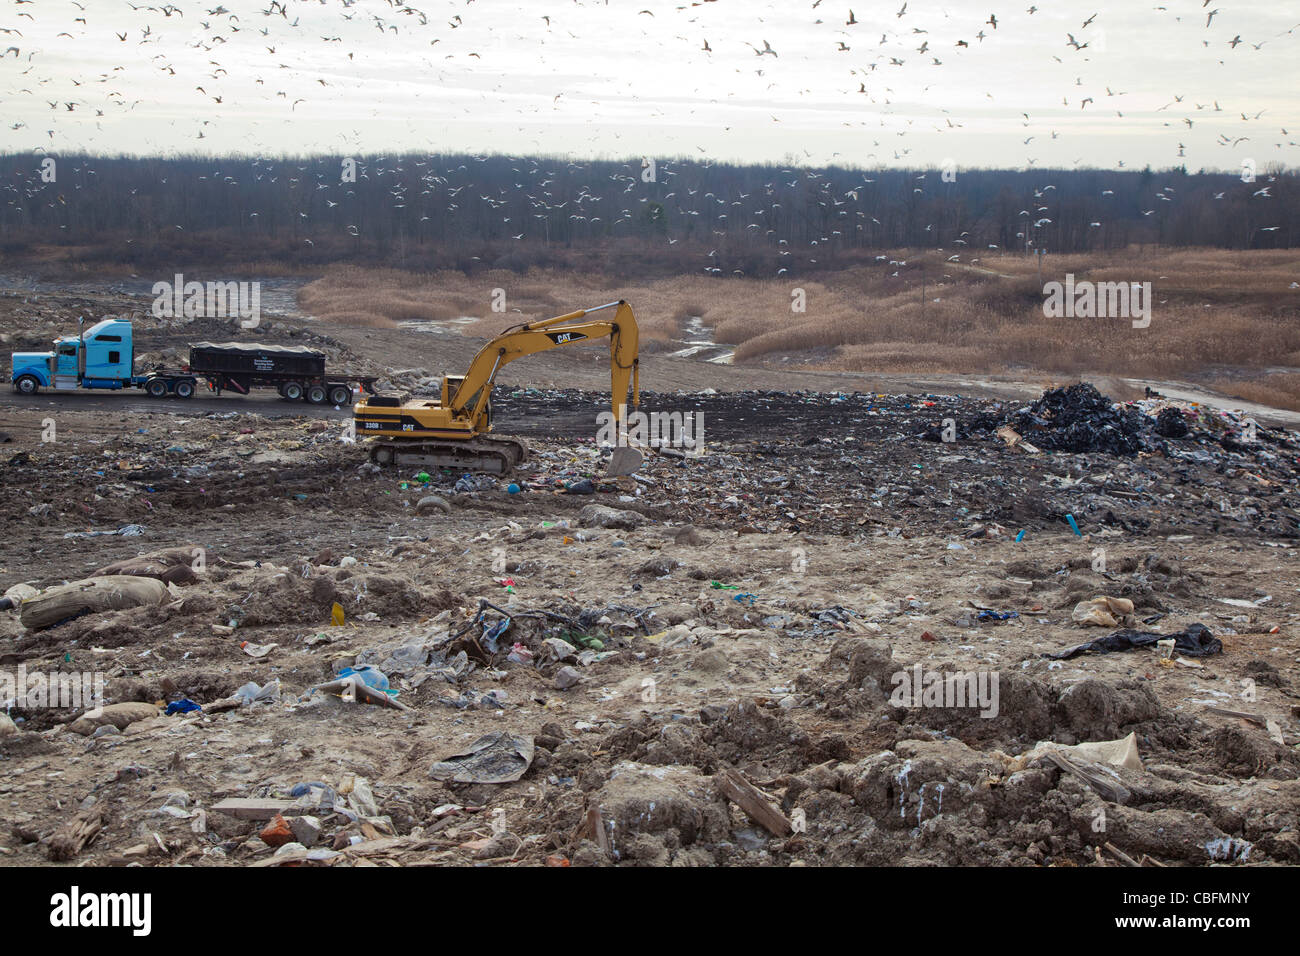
(437, 326)
(698, 344)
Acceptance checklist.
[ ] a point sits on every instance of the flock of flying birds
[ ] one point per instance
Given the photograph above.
(876, 48)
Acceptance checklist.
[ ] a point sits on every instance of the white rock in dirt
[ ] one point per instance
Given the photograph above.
(567, 677)
(306, 829)
(119, 715)
(602, 516)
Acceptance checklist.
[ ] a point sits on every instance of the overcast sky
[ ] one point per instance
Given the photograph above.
(631, 79)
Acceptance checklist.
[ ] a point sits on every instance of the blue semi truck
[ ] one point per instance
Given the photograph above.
(103, 357)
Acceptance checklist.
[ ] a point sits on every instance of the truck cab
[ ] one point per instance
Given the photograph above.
(102, 356)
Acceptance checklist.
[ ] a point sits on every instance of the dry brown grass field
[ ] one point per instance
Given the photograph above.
(1226, 319)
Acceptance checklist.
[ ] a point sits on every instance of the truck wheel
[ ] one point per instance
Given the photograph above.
(316, 394)
(157, 388)
(184, 389)
(341, 395)
(291, 390)
(27, 385)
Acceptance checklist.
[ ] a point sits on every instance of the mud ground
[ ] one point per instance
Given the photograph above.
(748, 610)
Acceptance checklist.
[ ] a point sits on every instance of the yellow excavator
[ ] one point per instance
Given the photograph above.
(450, 432)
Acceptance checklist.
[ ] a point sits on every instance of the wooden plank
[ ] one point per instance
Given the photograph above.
(1094, 775)
(250, 809)
(753, 801)
(596, 829)
(1123, 857)
(1244, 715)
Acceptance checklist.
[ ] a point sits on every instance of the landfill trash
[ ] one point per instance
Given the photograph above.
(499, 757)
(719, 586)
(1117, 753)
(171, 565)
(1020, 535)
(353, 688)
(369, 676)
(582, 486)
(520, 655)
(251, 693)
(336, 615)
(512, 488)
(433, 503)
(986, 614)
(1081, 419)
(1242, 602)
(1074, 525)
(314, 793)
(182, 706)
(1015, 439)
(126, 531)
(1195, 641)
(91, 596)
(1103, 611)
(277, 833)
(360, 797)
(558, 649)
(1171, 423)
(257, 650)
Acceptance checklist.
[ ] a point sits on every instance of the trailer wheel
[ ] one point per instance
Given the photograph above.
(184, 389)
(156, 387)
(316, 394)
(291, 390)
(27, 385)
(341, 395)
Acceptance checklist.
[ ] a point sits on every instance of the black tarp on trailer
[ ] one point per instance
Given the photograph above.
(254, 359)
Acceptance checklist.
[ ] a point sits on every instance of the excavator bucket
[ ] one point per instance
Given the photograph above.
(624, 461)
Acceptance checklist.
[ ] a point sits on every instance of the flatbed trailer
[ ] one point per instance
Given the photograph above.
(295, 371)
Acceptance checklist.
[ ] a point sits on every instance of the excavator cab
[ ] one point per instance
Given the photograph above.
(451, 385)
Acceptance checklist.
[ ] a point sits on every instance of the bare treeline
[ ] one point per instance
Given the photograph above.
(460, 210)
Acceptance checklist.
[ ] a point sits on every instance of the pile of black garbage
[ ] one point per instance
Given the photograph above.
(1081, 419)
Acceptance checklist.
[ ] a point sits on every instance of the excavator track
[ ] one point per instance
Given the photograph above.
(494, 456)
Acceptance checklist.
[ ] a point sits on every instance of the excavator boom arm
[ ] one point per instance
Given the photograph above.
(534, 337)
